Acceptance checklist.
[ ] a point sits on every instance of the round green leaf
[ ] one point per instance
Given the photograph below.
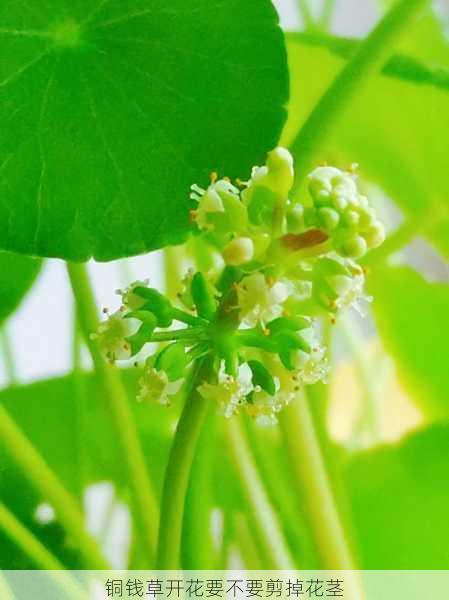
(17, 274)
(110, 110)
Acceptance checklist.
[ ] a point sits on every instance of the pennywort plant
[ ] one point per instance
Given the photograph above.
(93, 165)
(246, 335)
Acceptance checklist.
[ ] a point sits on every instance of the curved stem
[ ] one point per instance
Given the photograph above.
(43, 478)
(369, 58)
(115, 394)
(265, 519)
(178, 471)
(313, 483)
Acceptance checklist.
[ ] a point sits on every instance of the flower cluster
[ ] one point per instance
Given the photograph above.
(255, 317)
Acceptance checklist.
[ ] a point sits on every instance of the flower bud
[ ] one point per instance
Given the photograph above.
(375, 234)
(239, 251)
(352, 246)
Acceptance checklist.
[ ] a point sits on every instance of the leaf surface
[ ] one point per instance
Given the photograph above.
(110, 110)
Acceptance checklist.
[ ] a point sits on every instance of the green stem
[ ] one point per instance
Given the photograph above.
(27, 542)
(178, 471)
(43, 478)
(115, 393)
(313, 483)
(326, 15)
(369, 58)
(181, 334)
(42, 558)
(8, 356)
(269, 531)
(198, 551)
(306, 14)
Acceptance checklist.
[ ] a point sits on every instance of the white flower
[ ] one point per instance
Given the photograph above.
(229, 391)
(129, 298)
(260, 301)
(156, 387)
(111, 336)
(350, 290)
(209, 201)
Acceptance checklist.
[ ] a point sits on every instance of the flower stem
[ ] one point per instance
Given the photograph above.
(43, 478)
(144, 497)
(369, 58)
(269, 532)
(178, 470)
(25, 540)
(189, 334)
(313, 483)
(42, 558)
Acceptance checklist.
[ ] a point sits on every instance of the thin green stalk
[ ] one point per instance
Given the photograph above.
(197, 544)
(269, 530)
(8, 356)
(247, 544)
(27, 542)
(313, 484)
(189, 334)
(43, 478)
(305, 14)
(327, 12)
(42, 558)
(369, 58)
(178, 471)
(115, 393)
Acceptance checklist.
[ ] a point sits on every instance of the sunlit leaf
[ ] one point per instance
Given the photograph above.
(413, 320)
(399, 497)
(110, 110)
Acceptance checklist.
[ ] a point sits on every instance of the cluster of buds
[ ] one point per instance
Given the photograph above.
(256, 316)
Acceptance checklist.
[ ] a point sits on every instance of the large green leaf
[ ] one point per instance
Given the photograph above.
(17, 274)
(68, 421)
(393, 128)
(413, 320)
(110, 110)
(400, 496)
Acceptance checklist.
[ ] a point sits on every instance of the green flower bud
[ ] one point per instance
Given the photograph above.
(173, 360)
(367, 216)
(261, 377)
(143, 335)
(328, 218)
(239, 251)
(350, 218)
(130, 298)
(158, 304)
(375, 234)
(353, 247)
(203, 296)
(282, 324)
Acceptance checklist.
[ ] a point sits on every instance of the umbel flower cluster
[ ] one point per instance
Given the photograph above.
(284, 265)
